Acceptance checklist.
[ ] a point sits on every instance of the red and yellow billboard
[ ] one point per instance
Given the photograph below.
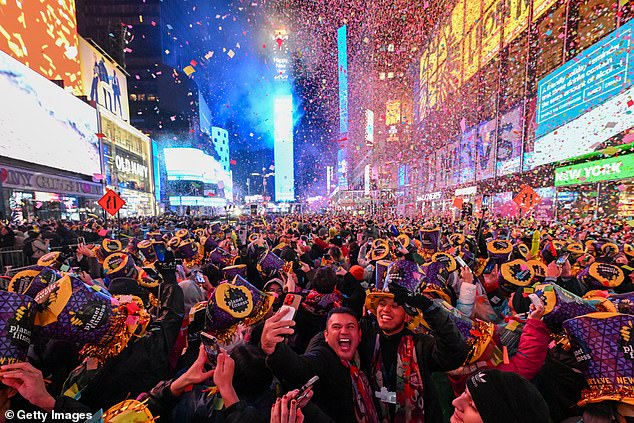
(42, 34)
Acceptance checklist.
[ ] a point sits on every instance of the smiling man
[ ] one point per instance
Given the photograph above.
(343, 391)
(398, 361)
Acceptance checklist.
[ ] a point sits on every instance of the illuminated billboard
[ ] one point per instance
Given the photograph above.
(283, 148)
(393, 112)
(509, 147)
(43, 124)
(588, 80)
(586, 101)
(369, 128)
(485, 150)
(342, 60)
(281, 59)
(42, 34)
(126, 154)
(103, 81)
(342, 170)
(191, 164)
(585, 134)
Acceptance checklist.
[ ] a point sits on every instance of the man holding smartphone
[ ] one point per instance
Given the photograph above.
(343, 391)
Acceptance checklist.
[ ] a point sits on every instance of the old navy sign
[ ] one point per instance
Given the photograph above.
(611, 169)
(24, 179)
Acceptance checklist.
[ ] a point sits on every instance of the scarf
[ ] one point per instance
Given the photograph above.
(364, 410)
(409, 383)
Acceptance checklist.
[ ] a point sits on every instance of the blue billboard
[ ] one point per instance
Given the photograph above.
(283, 148)
(342, 170)
(342, 59)
(586, 81)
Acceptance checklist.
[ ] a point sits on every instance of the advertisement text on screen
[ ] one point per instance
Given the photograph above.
(587, 80)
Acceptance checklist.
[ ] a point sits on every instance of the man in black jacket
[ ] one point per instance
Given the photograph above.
(343, 391)
(400, 362)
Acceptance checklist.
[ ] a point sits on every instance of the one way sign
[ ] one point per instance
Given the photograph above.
(111, 202)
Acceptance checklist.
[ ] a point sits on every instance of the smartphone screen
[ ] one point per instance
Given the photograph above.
(211, 348)
(81, 240)
(562, 259)
(160, 250)
(199, 278)
(489, 266)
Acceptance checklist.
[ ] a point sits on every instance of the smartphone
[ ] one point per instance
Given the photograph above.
(535, 300)
(303, 391)
(81, 240)
(562, 259)
(461, 262)
(211, 346)
(489, 266)
(290, 306)
(200, 280)
(160, 250)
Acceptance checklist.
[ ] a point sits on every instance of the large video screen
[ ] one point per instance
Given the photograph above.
(41, 123)
(42, 34)
(191, 164)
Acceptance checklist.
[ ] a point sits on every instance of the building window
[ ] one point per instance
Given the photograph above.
(514, 71)
(549, 40)
(596, 19)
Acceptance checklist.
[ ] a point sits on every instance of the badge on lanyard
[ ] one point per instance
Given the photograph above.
(386, 396)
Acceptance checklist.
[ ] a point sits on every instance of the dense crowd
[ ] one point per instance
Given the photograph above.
(320, 318)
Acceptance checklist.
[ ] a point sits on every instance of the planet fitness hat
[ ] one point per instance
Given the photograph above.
(230, 272)
(604, 346)
(53, 259)
(561, 305)
(17, 313)
(500, 250)
(514, 274)
(602, 276)
(119, 265)
(233, 303)
(69, 309)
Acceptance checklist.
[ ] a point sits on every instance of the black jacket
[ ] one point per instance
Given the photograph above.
(444, 351)
(332, 392)
(141, 365)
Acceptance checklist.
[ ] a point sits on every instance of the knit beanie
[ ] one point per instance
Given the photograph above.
(521, 303)
(358, 272)
(506, 397)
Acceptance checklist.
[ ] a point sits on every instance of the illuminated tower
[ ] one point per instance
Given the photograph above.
(283, 120)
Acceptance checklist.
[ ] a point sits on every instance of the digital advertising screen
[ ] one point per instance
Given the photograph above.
(42, 34)
(467, 155)
(283, 148)
(586, 81)
(485, 149)
(191, 164)
(103, 81)
(45, 124)
(509, 142)
(342, 59)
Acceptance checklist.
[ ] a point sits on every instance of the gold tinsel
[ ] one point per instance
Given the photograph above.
(119, 332)
(624, 394)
